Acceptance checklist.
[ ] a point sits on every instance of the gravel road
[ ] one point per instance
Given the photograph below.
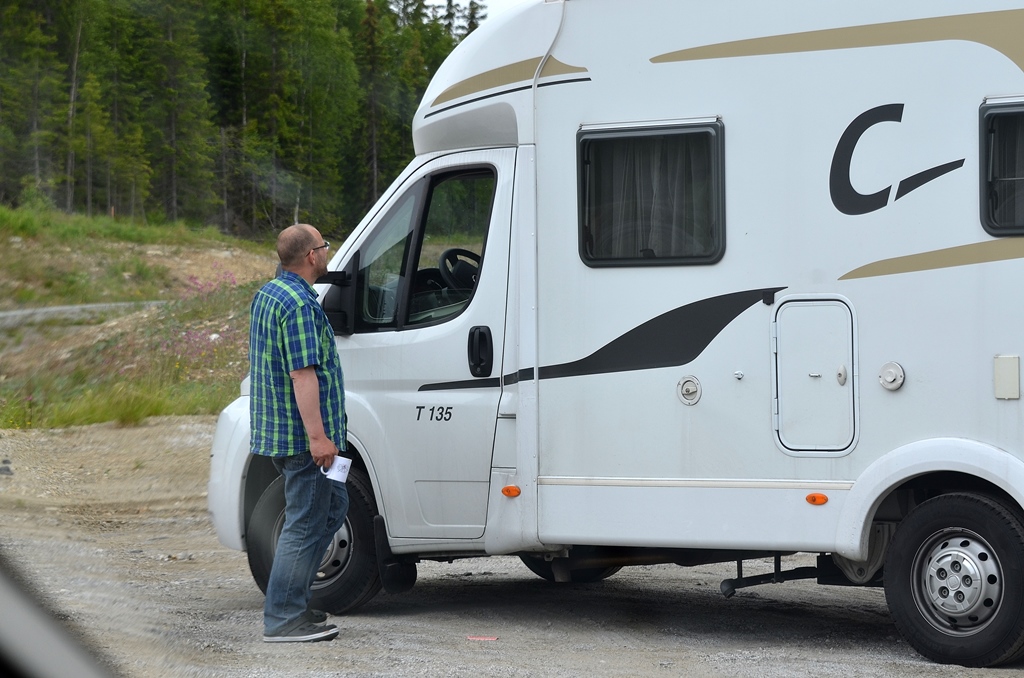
(67, 314)
(109, 528)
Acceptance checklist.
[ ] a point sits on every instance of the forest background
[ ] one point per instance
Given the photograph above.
(247, 115)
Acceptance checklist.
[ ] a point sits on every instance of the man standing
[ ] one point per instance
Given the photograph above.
(297, 414)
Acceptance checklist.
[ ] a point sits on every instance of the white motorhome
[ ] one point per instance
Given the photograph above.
(688, 283)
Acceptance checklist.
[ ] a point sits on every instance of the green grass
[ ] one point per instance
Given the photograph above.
(186, 356)
(58, 228)
(49, 258)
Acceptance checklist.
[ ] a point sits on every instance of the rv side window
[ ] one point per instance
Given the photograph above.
(421, 264)
(384, 264)
(652, 196)
(1002, 163)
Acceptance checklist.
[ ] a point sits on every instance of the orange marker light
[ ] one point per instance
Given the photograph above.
(817, 499)
(511, 491)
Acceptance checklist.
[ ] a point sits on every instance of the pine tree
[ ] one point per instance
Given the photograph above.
(69, 166)
(117, 56)
(475, 13)
(451, 18)
(181, 142)
(228, 37)
(375, 68)
(327, 100)
(94, 144)
(31, 100)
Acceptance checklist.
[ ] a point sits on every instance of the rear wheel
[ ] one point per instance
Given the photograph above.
(348, 575)
(545, 569)
(954, 582)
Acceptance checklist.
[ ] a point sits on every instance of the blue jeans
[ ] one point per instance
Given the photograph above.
(315, 509)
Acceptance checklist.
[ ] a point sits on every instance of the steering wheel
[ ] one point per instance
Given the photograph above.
(458, 273)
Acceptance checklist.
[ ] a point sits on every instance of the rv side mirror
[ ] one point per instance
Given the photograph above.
(339, 278)
(340, 301)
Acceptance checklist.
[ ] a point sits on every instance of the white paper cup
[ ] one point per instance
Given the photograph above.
(338, 471)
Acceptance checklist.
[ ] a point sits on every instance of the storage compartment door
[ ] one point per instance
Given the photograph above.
(814, 375)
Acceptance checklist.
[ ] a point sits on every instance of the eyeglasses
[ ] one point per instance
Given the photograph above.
(322, 247)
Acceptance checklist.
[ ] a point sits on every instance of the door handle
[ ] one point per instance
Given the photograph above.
(481, 351)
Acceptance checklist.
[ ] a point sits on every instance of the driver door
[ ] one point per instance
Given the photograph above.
(423, 366)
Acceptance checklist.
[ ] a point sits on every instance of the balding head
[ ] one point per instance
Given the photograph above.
(294, 243)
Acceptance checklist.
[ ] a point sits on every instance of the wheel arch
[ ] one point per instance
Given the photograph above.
(895, 482)
(258, 476)
(261, 472)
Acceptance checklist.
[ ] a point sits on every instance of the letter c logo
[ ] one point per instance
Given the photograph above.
(844, 196)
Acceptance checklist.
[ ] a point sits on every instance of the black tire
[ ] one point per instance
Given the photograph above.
(954, 580)
(543, 568)
(350, 576)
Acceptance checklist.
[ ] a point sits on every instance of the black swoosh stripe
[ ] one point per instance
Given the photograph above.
(493, 382)
(921, 178)
(525, 374)
(671, 339)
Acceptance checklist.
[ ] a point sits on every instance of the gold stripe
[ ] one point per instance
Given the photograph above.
(555, 67)
(505, 75)
(1003, 249)
(999, 30)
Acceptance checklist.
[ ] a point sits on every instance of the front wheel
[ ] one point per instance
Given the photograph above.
(954, 582)
(348, 575)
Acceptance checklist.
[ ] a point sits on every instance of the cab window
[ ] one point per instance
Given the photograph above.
(421, 265)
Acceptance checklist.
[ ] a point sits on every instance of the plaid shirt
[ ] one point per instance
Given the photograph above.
(288, 331)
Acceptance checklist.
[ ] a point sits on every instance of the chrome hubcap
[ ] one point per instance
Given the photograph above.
(959, 583)
(337, 557)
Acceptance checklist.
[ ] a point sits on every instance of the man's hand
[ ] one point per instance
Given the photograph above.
(307, 396)
(323, 450)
